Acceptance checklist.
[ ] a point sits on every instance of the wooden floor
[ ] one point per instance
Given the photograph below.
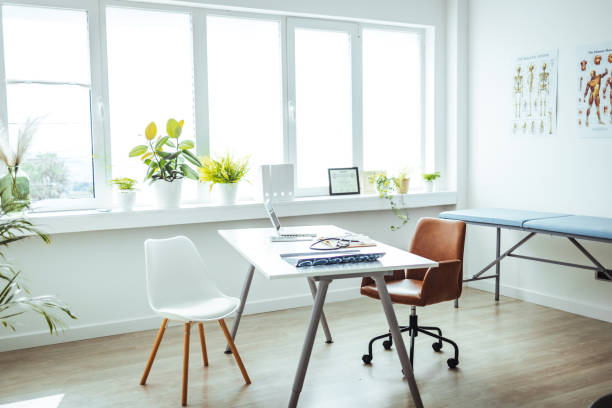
(513, 354)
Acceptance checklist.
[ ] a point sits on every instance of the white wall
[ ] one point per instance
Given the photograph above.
(561, 173)
(101, 274)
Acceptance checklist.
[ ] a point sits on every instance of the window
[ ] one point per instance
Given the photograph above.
(392, 100)
(150, 78)
(47, 66)
(317, 93)
(245, 95)
(322, 85)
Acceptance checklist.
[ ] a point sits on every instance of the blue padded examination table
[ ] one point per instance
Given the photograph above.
(572, 227)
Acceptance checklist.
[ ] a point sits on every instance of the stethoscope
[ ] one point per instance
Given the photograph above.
(340, 243)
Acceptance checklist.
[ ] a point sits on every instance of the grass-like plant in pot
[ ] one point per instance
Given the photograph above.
(386, 186)
(429, 180)
(15, 298)
(126, 192)
(15, 186)
(168, 162)
(226, 172)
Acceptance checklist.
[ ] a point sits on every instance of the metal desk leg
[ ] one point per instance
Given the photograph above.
(498, 265)
(317, 309)
(243, 298)
(313, 290)
(397, 339)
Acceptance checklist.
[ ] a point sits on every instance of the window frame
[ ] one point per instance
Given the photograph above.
(100, 109)
(426, 133)
(101, 189)
(352, 29)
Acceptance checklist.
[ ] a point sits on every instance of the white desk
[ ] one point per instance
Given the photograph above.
(254, 245)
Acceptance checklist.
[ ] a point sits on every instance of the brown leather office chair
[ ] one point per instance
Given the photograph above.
(438, 240)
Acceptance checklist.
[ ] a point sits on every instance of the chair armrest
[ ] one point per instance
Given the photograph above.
(442, 283)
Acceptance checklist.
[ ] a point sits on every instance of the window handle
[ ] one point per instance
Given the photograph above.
(101, 109)
(291, 108)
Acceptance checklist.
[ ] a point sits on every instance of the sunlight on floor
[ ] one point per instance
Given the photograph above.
(52, 401)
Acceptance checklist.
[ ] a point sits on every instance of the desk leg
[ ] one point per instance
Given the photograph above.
(317, 310)
(313, 290)
(397, 339)
(498, 265)
(243, 298)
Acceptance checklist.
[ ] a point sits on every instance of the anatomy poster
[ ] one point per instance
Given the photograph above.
(594, 88)
(535, 94)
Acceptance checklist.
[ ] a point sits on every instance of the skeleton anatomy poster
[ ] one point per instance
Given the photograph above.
(594, 89)
(535, 94)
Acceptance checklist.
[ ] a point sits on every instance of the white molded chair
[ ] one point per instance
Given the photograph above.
(179, 288)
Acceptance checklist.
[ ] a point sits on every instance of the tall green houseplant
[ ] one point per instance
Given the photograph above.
(15, 298)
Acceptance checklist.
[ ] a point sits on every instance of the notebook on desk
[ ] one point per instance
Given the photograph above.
(337, 257)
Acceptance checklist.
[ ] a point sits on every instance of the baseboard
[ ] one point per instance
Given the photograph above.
(89, 331)
(593, 311)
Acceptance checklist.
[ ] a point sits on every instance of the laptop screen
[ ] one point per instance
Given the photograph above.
(272, 215)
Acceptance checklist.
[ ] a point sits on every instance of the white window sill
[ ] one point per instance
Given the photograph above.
(141, 217)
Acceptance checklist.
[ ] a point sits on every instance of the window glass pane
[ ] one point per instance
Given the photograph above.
(391, 100)
(47, 60)
(150, 75)
(323, 104)
(245, 90)
(46, 44)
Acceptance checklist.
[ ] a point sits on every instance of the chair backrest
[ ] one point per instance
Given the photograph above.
(438, 239)
(176, 273)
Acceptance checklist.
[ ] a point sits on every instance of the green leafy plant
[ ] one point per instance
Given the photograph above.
(224, 170)
(431, 176)
(165, 157)
(386, 186)
(124, 184)
(15, 298)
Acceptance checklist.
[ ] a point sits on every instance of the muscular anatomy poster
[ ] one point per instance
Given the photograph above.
(535, 94)
(594, 88)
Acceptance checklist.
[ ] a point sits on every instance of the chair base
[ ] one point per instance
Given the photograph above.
(414, 329)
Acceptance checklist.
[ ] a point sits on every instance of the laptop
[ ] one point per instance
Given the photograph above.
(283, 236)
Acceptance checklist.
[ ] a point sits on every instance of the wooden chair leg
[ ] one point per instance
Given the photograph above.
(203, 343)
(228, 337)
(158, 339)
(185, 362)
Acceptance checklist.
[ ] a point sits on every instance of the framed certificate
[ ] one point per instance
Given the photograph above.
(343, 181)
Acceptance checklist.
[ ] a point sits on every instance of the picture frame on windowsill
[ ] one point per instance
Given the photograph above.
(343, 181)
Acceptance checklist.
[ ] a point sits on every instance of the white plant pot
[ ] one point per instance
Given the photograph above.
(204, 194)
(168, 195)
(227, 193)
(429, 186)
(126, 200)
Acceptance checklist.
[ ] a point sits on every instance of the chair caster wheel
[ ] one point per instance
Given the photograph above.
(366, 358)
(387, 344)
(452, 363)
(437, 346)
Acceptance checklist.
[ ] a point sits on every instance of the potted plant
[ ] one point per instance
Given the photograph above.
(168, 162)
(15, 185)
(15, 298)
(126, 192)
(385, 187)
(430, 178)
(226, 172)
(402, 181)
